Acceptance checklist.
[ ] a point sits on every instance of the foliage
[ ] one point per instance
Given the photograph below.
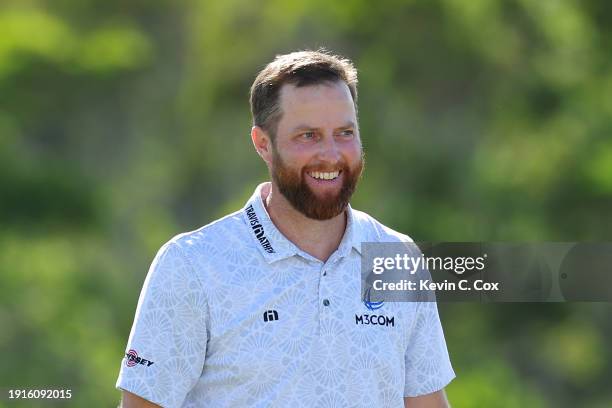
(125, 123)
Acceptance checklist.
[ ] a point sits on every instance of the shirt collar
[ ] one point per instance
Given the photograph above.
(273, 245)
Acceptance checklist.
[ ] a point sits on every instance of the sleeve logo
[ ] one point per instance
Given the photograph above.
(132, 359)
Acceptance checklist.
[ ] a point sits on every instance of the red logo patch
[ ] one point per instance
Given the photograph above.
(130, 358)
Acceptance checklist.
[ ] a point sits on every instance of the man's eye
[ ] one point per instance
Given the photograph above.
(347, 132)
(308, 135)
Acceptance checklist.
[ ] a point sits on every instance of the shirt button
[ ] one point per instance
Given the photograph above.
(324, 273)
(325, 302)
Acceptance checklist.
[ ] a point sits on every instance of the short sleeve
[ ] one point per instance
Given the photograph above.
(165, 353)
(428, 367)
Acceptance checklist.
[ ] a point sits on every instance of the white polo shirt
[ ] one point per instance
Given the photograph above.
(234, 314)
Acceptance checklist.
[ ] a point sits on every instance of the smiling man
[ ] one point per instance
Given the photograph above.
(264, 307)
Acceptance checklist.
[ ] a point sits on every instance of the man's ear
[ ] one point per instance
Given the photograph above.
(263, 143)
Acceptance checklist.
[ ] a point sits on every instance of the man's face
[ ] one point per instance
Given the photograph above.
(317, 156)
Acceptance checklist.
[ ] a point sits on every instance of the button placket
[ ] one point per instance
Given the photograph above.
(325, 297)
(324, 291)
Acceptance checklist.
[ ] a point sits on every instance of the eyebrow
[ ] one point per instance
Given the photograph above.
(298, 128)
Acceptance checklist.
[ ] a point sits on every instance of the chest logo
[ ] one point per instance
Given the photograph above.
(270, 315)
(372, 319)
(368, 302)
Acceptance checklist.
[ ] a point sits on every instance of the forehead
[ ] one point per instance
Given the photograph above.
(316, 105)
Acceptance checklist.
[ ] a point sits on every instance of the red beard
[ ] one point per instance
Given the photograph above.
(292, 185)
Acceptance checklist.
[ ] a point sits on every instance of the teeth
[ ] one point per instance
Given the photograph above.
(325, 175)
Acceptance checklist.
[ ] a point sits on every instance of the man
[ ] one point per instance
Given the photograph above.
(264, 307)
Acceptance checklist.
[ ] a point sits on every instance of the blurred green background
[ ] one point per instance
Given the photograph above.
(123, 123)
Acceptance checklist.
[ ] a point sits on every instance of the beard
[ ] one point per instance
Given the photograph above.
(292, 185)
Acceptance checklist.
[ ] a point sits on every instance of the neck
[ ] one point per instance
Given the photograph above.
(319, 238)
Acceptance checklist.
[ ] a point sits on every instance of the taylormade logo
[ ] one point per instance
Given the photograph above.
(258, 229)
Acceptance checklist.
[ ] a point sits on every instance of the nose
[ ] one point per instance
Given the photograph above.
(329, 151)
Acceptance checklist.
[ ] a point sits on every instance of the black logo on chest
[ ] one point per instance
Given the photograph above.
(270, 315)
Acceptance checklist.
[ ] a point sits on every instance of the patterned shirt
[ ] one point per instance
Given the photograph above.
(234, 314)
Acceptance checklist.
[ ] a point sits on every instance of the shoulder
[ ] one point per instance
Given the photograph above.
(372, 230)
(212, 237)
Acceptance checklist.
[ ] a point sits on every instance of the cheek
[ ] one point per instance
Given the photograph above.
(298, 155)
(353, 152)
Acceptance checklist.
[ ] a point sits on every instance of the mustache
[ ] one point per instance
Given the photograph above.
(341, 166)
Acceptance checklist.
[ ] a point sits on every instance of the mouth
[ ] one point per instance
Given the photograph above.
(325, 176)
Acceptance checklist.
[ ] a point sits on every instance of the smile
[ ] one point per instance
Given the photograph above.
(324, 175)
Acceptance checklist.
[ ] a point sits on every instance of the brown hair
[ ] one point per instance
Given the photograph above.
(302, 68)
